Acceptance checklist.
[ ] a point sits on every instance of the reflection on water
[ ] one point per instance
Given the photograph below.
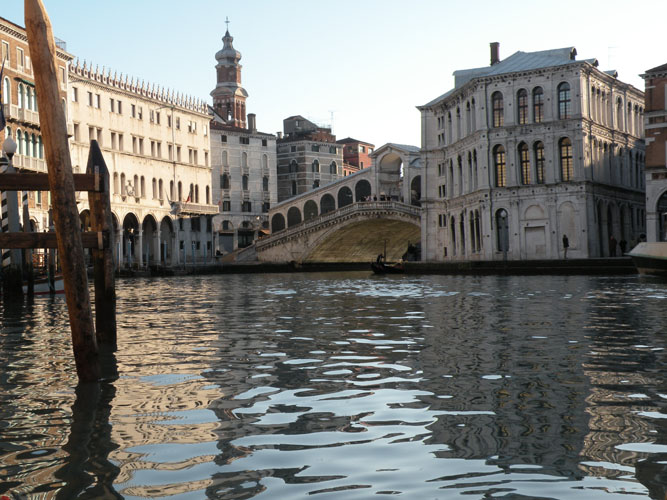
(345, 386)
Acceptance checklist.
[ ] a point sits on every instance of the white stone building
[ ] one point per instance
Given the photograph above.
(243, 159)
(156, 147)
(528, 150)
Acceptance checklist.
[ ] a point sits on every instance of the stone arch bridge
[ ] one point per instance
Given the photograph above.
(353, 219)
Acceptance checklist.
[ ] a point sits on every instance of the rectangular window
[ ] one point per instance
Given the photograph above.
(178, 153)
(90, 98)
(5, 52)
(97, 101)
(246, 206)
(223, 138)
(292, 149)
(75, 94)
(99, 136)
(141, 145)
(153, 149)
(159, 150)
(152, 116)
(226, 206)
(178, 123)
(170, 150)
(20, 58)
(76, 132)
(91, 133)
(140, 113)
(133, 111)
(206, 158)
(112, 105)
(135, 148)
(244, 140)
(157, 117)
(315, 148)
(169, 121)
(120, 142)
(264, 142)
(114, 143)
(119, 107)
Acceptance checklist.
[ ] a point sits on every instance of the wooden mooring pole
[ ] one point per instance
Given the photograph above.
(65, 214)
(101, 222)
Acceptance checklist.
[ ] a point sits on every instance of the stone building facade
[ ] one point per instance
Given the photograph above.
(356, 154)
(157, 149)
(308, 157)
(656, 153)
(19, 103)
(528, 150)
(244, 160)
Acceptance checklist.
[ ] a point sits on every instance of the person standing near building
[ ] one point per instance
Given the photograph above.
(612, 246)
(566, 245)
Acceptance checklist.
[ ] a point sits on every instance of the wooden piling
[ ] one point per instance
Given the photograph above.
(101, 222)
(28, 274)
(65, 214)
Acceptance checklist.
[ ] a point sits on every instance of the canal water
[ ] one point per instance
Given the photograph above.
(345, 386)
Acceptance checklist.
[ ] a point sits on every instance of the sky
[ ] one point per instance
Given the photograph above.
(360, 66)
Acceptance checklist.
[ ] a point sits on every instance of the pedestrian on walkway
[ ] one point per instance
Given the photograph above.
(566, 245)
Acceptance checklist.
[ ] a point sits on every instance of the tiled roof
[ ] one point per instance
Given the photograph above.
(519, 61)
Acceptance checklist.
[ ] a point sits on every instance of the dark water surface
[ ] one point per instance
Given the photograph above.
(345, 386)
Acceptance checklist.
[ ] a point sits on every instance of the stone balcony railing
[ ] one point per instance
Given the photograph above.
(29, 163)
(14, 112)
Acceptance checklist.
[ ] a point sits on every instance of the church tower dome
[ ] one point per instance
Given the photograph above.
(228, 96)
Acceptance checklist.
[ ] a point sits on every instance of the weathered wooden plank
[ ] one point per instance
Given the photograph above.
(40, 182)
(53, 125)
(89, 239)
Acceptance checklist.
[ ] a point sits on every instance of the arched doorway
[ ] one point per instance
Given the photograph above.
(502, 231)
(277, 223)
(362, 190)
(327, 204)
(167, 242)
(309, 210)
(293, 216)
(344, 197)
(130, 240)
(149, 241)
(416, 191)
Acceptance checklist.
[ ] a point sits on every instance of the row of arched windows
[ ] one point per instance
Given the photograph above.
(314, 167)
(457, 233)
(447, 126)
(27, 143)
(244, 160)
(524, 107)
(27, 99)
(455, 180)
(532, 166)
(137, 187)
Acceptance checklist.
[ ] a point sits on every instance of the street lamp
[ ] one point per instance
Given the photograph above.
(9, 147)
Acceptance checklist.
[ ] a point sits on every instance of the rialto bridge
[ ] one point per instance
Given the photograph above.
(353, 219)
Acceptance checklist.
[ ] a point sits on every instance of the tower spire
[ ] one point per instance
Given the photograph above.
(227, 23)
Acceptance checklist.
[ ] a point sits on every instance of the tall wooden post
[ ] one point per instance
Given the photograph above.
(100, 221)
(65, 214)
(12, 280)
(28, 271)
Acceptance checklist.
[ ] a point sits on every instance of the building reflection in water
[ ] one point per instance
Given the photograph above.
(299, 384)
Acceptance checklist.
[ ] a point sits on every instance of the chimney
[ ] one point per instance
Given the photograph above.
(252, 125)
(280, 135)
(495, 53)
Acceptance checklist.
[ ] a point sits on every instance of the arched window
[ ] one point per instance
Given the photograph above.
(498, 111)
(315, 166)
(21, 95)
(19, 142)
(468, 119)
(34, 148)
(6, 89)
(538, 105)
(265, 161)
(458, 123)
(208, 195)
(154, 186)
(196, 198)
(499, 163)
(29, 99)
(26, 147)
(293, 167)
(566, 163)
(244, 159)
(522, 106)
(123, 187)
(191, 194)
(564, 101)
(143, 187)
(171, 190)
(524, 163)
(265, 183)
(459, 163)
(619, 113)
(40, 145)
(225, 159)
(180, 191)
(244, 182)
(294, 190)
(160, 190)
(538, 148)
(115, 183)
(333, 168)
(502, 230)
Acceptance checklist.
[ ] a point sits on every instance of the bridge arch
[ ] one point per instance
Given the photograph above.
(344, 197)
(310, 210)
(327, 204)
(277, 223)
(293, 216)
(362, 190)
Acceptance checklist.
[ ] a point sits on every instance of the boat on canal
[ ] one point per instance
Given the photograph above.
(650, 258)
(385, 268)
(43, 287)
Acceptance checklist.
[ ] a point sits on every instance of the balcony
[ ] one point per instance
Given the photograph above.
(28, 163)
(184, 208)
(13, 112)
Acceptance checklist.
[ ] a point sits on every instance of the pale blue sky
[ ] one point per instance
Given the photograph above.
(369, 61)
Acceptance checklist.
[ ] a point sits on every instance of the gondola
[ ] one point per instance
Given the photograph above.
(384, 268)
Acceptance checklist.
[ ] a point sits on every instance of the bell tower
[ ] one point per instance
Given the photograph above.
(228, 96)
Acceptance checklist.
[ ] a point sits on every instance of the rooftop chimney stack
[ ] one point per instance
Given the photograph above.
(495, 53)
(252, 123)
